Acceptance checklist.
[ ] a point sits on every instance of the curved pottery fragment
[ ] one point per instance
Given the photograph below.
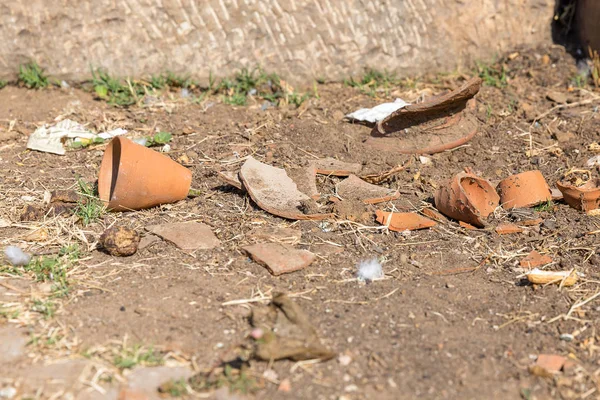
(468, 198)
(526, 189)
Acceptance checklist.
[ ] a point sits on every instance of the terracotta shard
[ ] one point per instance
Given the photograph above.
(531, 222)
(280, 258)
(584, 198)
(305, 179)
(442, 123)
(354, 188)
(507, 229)
(468, 198)
(331, 166)
(526, 189)
(552, 363)
(231, 178)
(434, 215)
(534, 260)
(187, 236)
(400, 222)
(467, 226)
(275, 192)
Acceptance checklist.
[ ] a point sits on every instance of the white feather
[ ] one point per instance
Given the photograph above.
(369, 270)
(16, 256)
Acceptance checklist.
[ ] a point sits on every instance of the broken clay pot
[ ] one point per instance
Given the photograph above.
(134, 177)
(584, 198)
(526, 189)
(438, 124)
(468, 198)
(400, 222)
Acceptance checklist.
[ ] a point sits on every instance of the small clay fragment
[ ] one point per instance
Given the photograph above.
(120, 241)
(534, 260)
(530, 222)
(32, 213)
(188, 236)
(507, 229)
(274, 191)
(331, 166)
(354, 188)
(283, 331)
(400, 222)
(552, 363)
(467, 226)
(280, 258)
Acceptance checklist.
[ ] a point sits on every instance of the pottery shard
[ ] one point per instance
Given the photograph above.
(354, 188)
(280, 258)
(331, 166)
(305, 179)
(401, 222)
(275, 192)
(534, 260)
(188, 236)
(507, 229)
(552, 363)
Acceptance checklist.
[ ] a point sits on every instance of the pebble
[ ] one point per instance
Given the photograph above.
(8, 393)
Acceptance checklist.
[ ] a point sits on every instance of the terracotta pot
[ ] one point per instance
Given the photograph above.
(584, 198)
(526, 189)
(467, 198)
(133, 177)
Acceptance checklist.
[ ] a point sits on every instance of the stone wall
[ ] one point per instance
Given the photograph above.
(300, 39)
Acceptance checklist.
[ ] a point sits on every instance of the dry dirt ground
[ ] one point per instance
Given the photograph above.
(452, 319)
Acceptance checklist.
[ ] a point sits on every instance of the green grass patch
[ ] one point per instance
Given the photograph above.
(174, 388)
(493, 75)
(46, 308)
(3, 83)
(89, 207)
(54, 269)
(129, 357)
(545, 207)
(237, 380)
(32, 76)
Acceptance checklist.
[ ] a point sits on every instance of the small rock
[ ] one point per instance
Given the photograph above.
(424, 160)
(37, 235)
(188, 236)
(64, 196)
(549, 224)
(280, 258)
(344, 360)
(270, 375)
(120, 241)
(285, 386)
(16, 256)
(32, 213)
(556, 97)
(567, 337)
(564, 137)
